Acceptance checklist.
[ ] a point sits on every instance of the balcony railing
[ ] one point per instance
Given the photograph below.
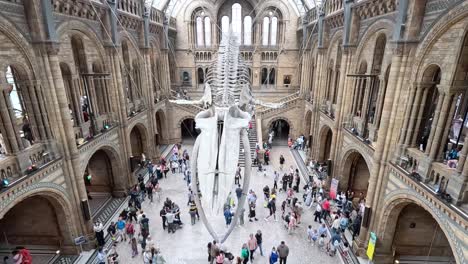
(453, 212)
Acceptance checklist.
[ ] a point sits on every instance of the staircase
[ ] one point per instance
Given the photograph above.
(108, 210)
(288, 102)
(252, 140)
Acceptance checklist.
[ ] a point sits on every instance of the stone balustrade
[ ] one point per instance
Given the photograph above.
(450, 210)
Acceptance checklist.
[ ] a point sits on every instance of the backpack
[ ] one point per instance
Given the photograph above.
(130, 229)
(27, 259)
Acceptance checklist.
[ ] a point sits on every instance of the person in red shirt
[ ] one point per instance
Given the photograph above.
(325, 209)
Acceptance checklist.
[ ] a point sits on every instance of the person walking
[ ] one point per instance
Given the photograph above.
(99, 232)
(134, 245)
(281, 161)
(259, 238)
(238, 192)
(273, 256)
(238, 175)
(252, 243)
(272, 208)
(149, 191)
(130, 230)
(121, 234)
(193, 211)
(244, 254)
(275, 180)
(283, 252)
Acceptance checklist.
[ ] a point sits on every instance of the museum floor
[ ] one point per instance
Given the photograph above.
(188, 245)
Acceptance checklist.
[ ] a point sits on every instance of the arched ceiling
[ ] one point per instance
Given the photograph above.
(172, 7)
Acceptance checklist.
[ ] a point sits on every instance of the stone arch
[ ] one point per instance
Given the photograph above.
(108, 155)
(334, 39)
(281, 133)
(325, 143)
(71, 26)
(453, 16)
(53, 195)
(138, 139)
(186, 125)
(15, 35)
(384, 25)
(355, 172)
(394, 204)
(193, 7)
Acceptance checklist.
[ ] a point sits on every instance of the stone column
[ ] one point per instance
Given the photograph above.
(410, 120)
(11, 143)
(384, 147)
(418, 120)
(58, 105)
(439, 119)
(442, 129)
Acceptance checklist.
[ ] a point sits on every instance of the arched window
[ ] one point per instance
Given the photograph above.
(265, 31)
(274, 31)
(224, 25)
(207, 31)
(248, 31)
(237, 21)
(200, 41)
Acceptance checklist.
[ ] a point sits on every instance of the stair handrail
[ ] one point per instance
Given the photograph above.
(285, 100)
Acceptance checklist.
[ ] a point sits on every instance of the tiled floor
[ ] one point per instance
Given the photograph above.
(188, 245)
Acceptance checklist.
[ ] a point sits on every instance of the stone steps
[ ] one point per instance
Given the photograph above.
(252, 140)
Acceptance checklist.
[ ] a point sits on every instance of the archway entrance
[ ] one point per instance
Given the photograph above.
(325, 144)
(411, 233)
(188, 132)
(280, 129)
(99, 179)
(23, 225)
(355, 175)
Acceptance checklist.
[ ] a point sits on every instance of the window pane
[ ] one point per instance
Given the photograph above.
(266, 31)
(224, 26)
(248, 30)
(207, 31)
(237, 21)
(199, 32)
(274, 31)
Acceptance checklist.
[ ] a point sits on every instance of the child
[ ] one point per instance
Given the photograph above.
(273, 256)
(321, 242)
(314, 236)
(133, 241)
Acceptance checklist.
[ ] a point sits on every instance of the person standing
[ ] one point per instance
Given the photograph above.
(98, 230)
(238, 192)
(281, 160)
(259, 238)
(149, 191)
(283, 252)
(214, 251)
(275, 180)
(101, 256)
(252, 244)
(162, 213)
(121, 230)
(273, 256)
(134, 246)
(272, 208)
(245, 254)
(238, 176)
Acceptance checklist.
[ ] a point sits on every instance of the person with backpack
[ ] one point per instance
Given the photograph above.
(130, 230)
